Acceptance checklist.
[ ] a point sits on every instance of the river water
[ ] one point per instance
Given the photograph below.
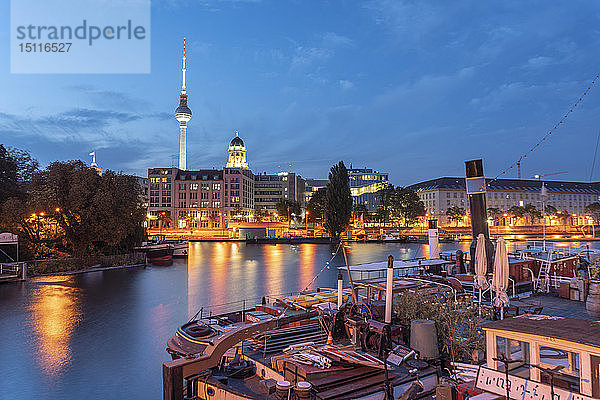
(102, 335)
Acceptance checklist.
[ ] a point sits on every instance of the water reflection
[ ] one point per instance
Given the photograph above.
(273, 259)
(82, 336)
(55, 312)
(307, 264)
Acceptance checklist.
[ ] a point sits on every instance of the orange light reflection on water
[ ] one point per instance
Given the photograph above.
(307, 266)
(55, 313)
(273, 271)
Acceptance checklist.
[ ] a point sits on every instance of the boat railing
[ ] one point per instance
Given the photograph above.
(243, 305)
(536, 245)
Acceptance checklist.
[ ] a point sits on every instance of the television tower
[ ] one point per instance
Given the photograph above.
(183, 114)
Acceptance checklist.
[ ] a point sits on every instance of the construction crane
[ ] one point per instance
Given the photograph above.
(540, 176)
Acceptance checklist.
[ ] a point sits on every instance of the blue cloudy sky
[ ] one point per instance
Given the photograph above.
(414, 88)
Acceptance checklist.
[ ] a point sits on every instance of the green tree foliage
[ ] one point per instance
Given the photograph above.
(359, 210)
(386, 202)
(594, 210)
(16, 168)
(516, 212)
(96, 211)
(399, 203)
(455, 213)
(316, 206)
(71, 206)
(338, 207)
(260, 213)
(551, 210)
(407, 206)
(238, 215)
(494, 213)
(532, 212)
(285, 209)
(458, 324)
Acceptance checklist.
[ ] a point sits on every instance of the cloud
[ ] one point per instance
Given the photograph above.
(345, 84)
(332, 40)
(539, 62)
(107, 99)
(307, 56)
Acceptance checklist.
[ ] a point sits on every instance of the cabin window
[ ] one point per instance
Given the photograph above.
(567, 376)
(513, 350)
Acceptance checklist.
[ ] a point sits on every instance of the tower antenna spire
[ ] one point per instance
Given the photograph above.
(183, 114)
(183, 69)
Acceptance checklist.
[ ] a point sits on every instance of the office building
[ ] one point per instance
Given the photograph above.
(366, 185)
(568, 197)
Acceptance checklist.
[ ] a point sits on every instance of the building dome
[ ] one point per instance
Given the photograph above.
(183, 107)
(237, 141)
(183, 110)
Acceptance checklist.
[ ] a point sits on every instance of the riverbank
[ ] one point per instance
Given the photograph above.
(84, 271)
(83, 264)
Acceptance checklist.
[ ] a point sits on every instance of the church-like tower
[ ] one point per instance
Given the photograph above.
(237, 153)
(183, 114)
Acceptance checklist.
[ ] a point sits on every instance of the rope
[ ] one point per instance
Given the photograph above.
(551, 131)
(313, 279)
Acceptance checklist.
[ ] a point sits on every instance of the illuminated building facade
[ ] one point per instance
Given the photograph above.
(568, 197)
(311, 186)
(239, 181)
(272, 188)
(365, 185)
(237, 153)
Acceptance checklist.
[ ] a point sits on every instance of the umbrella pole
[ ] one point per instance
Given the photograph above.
(502, 312)
(479, 302)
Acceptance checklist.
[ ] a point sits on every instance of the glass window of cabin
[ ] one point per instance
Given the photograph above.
(515, 350)
(567, 376)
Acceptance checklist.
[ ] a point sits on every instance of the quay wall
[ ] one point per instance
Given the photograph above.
(83, 264)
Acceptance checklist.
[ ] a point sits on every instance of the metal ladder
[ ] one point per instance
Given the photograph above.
(543, 280)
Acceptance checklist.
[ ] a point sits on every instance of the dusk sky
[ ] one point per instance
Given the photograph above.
(410, 88)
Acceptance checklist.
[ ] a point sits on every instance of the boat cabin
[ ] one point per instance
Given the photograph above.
(546, 354)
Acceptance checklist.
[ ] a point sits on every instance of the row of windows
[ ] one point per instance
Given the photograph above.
(201, 186)
(203, 195)
(159, 180)
(202, 204)
(199, 214)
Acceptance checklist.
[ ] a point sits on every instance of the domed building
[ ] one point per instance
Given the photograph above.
(239, 182)
(237, 153)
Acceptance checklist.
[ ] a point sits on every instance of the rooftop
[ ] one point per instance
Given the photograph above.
(510, 184)
(200, 175)
(569, 329)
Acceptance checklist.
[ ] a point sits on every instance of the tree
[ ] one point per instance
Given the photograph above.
(16, 168)
(516, 212)
(97, 213)
(316, 205)
(338, 207)
(407, 205)
(359, 210)
(531, 211)
(494, 213)
(594, 210)
(164, 219)
(385, 204)
(455, 213)
(285, 209)
(238, 215)
(260, 213)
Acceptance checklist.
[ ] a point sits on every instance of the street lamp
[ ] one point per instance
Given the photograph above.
(306, 222)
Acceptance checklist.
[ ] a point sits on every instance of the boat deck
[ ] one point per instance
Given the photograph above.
(559, 307)
(338, 382)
